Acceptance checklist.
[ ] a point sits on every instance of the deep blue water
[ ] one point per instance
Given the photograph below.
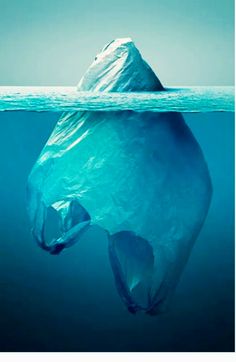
(68, 302)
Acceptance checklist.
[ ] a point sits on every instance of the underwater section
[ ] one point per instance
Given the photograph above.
(73, 293)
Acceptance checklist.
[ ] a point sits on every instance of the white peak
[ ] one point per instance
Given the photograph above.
(119, 67)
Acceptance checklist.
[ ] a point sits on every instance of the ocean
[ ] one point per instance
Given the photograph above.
(68, 302)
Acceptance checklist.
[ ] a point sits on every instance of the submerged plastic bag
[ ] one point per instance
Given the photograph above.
(140, 176)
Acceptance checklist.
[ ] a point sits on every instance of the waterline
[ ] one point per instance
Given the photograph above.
(60, 99)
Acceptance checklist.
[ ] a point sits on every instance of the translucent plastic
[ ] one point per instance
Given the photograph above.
(140, 176)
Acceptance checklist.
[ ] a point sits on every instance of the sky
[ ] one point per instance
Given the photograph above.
(52, 42)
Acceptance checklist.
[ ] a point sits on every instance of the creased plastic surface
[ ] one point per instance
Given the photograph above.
(140, 176)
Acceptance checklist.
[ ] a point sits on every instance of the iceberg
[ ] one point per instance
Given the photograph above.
(141, 176)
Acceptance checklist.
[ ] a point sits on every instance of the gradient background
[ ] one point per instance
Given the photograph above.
(69, 302)
(52, 42)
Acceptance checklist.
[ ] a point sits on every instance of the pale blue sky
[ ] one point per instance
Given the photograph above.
(52, 42)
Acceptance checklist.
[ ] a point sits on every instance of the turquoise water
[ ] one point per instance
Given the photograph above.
(69, 302)
(60, 99)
